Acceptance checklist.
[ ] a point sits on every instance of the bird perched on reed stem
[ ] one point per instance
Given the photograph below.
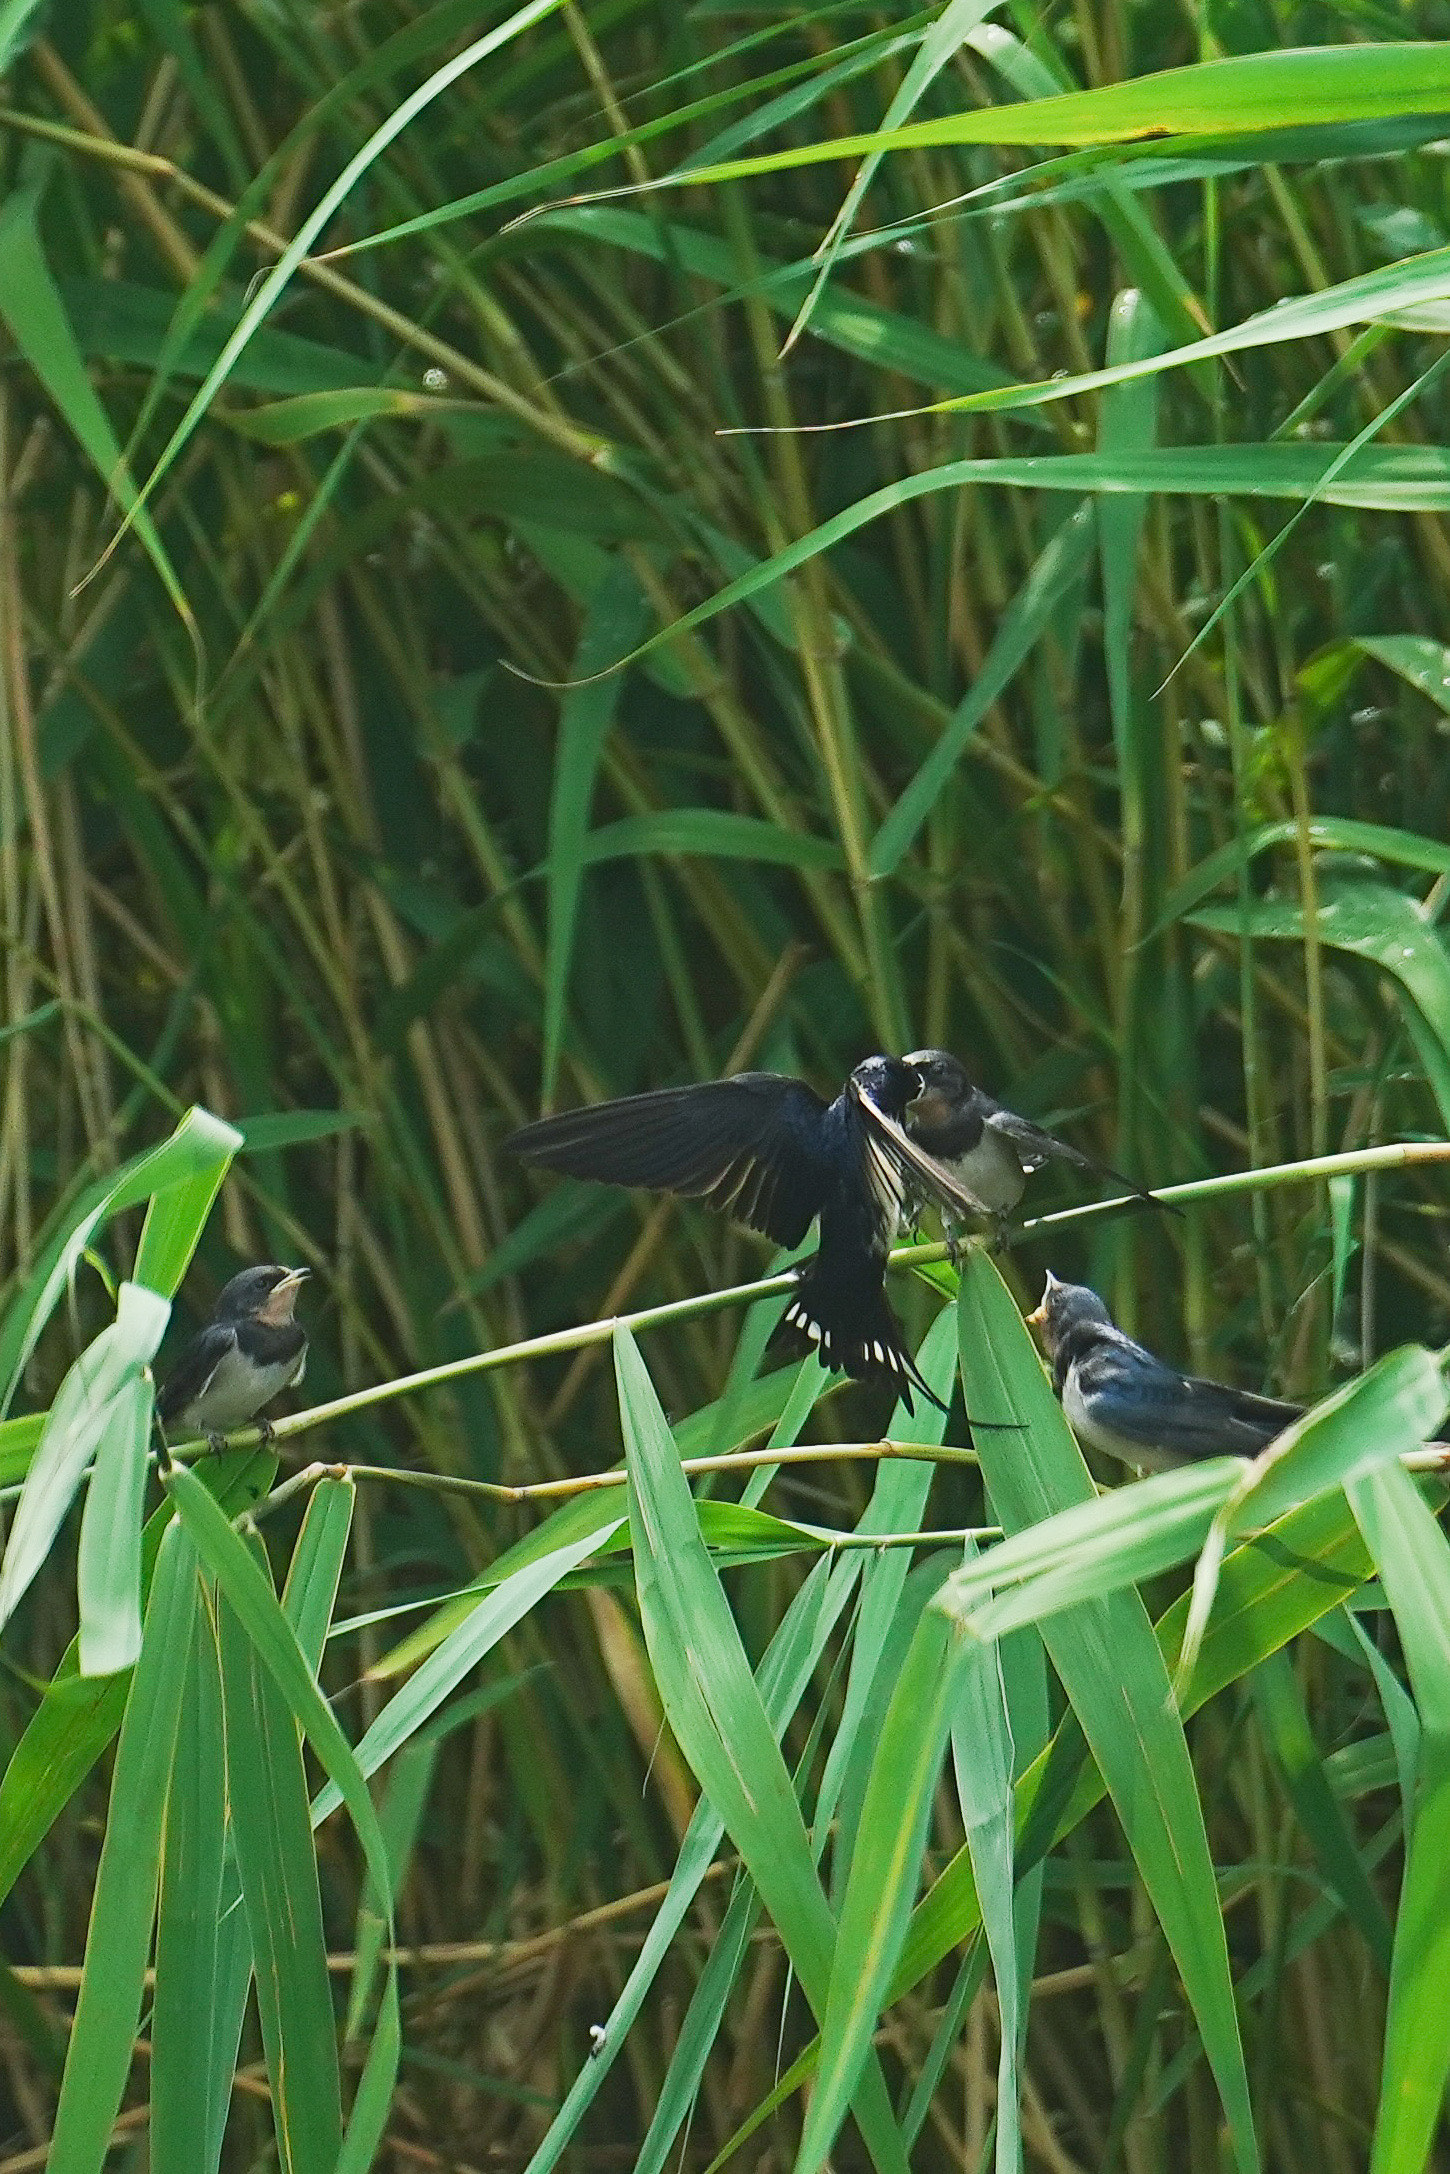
(252, 1349)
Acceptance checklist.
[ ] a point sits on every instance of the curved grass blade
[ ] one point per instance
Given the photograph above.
(108, 1575)
(714, 1708)
(193, 2052)
(250, 1594)
(32, 309)
(78, 1715)
(885, 1866)
(272, 1834)
(1393, 478)
(1246, 94)
(200, 1145)
(489, 1619)
(1032, 612)
(898, 1499)
(93, 1398)
(269, 289)
(1376, 1419)
(1112, 1670)
(98, 2058)
(939, 43)
(1413, 1559)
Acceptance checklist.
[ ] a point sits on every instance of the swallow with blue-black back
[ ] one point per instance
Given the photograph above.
(1118, 1398)
(770, 1151)
(252, 1349)
(989, 1151)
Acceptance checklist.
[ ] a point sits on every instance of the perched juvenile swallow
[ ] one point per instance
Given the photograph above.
(989, 1151)
(251, 1349)
(769, 1151)
(1118, 1398)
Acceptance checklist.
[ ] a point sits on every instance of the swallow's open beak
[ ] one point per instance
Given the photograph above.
(276, 1309)
(1038, 1318)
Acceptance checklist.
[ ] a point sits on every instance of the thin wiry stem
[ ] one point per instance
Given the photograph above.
(584, 1483)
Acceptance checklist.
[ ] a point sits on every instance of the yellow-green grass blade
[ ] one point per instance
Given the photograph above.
(1376, 1419)
(1413, 1558)
(1099, 1546)
(1408, 478)
(1246, 94)
(1112, 1670)
(714, 1708)
(488, 1619)
(78, 1715)
(272, 1835)
(939, 44)
(108, 2009)
(310, 1594)
(1270, 1589)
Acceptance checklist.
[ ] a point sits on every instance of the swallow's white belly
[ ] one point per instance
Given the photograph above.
(238, 1390)
(1092, 1435)
(992, 1174)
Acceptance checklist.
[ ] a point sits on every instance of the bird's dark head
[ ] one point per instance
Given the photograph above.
(942, 1085)
(1066, 1307)
(886, 1083)
(266, 1294)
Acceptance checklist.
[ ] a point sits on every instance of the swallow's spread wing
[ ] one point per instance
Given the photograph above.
(193, 1371)
(1033, 1147)
(898, 1164)
(750, 1146)
(1130, 1394)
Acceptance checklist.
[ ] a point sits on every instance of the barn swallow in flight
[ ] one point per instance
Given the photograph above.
(252, 1348)
(989, 1151)
(768, 1150)
(1118, 1398)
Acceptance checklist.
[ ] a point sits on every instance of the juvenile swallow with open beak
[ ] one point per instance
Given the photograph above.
(252, 1349)
(988, 1150)
(770, 1151)
(1119, 1399)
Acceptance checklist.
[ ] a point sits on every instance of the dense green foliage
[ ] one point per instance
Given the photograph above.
(1086, 716)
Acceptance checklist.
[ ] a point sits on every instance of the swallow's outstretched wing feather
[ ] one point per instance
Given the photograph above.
(918, 1173)
(748, 1145)
(1033, 1147)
